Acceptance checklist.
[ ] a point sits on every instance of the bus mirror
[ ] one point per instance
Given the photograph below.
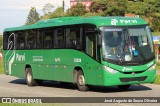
(97, 31)
(151, 29)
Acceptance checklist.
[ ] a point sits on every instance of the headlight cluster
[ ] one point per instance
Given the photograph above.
(152, 67)
(110, 70)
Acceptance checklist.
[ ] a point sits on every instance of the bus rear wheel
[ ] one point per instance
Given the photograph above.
(29, 78)
(81, 82)
(123, 87)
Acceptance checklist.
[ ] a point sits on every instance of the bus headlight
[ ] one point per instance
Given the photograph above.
(152, 67)
(110, 70)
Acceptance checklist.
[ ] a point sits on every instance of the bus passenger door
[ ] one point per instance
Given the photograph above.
(94, 75)
(89, 44)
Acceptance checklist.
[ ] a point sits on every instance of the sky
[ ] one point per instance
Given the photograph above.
(14, 13)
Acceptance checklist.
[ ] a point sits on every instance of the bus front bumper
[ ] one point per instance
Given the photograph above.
(120, 78)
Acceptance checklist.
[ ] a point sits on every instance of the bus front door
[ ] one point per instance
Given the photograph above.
(94, 75)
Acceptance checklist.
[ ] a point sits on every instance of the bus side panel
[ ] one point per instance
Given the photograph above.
(47, 71)
(56, 65)
(63, 65)
(73, 58)
(40, 63)
(14, 63)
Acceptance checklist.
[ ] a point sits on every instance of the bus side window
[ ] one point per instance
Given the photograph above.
(73, 39)
(39, 41)
(20, 45)
(8, 43)
(48, 42)
(59, 38)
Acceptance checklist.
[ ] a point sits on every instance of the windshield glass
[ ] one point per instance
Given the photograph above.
(127, 44)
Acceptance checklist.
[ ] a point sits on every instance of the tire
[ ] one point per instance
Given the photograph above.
(81, 82)
(123, 87)
(29, 78)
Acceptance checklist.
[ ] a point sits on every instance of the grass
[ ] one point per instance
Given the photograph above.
(3, 104)
(155, 33)
(157, 67)
(157, 79)
(1, 67)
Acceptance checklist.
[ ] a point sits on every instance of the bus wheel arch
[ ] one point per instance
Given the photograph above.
(79, 79)
(29, 76)
(75, 72)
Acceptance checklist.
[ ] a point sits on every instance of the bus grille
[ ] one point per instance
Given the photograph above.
(138, 72)
(133, 79)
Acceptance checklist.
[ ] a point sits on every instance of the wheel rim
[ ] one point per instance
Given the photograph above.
(29, 77)
(81, 80)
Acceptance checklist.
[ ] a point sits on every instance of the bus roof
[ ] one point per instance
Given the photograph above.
(96, 20)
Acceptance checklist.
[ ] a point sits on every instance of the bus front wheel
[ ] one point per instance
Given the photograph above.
(81, 81)
(29, 78)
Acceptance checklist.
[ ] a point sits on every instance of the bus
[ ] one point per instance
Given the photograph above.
(93, 51)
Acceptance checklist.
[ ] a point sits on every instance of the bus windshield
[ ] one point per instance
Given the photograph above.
(127, 44)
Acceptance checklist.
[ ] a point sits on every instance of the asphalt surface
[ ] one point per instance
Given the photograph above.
(16, 87)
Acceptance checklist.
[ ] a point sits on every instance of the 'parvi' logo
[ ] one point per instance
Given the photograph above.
(114, 22)
(127, 69)
(20, 57)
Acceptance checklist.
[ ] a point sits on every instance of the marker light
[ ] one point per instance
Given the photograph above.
(110, 70)
(152, 67)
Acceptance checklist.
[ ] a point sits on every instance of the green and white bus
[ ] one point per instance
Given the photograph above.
(97, 51)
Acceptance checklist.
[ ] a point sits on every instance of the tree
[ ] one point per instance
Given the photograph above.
(77, 10)
(89, 14)
(47, 9)
(140, 8)
(109, 7)
(33, 16)
(116, 8)
(59, 12)
(98, 6)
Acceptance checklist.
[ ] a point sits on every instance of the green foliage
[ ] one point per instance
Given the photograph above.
(98, 6)
(89, 14)
(109, 7)
(1, 67)
(59, 12)
(1, 42)
(138, 8)
(77, 10)
(46, 16)
(33, 16)
(155, 33)
(116, 8)
(157, 81)
(148, 9)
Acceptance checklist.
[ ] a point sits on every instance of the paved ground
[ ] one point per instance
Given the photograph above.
(15, 87)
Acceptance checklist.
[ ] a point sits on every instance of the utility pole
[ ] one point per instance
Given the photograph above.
(63, 4)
